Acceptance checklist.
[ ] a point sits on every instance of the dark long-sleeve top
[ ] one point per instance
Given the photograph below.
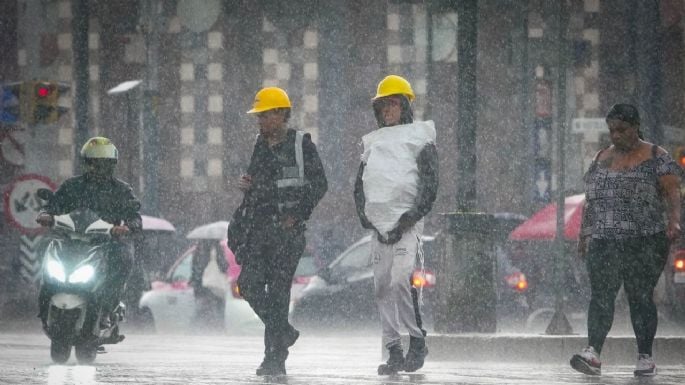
(112, 199)
(265, 169)
(427, 188)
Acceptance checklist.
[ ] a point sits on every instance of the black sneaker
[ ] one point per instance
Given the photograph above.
(395, 362)
(416, 354)
(271, 368)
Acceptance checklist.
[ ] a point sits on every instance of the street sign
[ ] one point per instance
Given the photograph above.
(587, 126)
(543, 99)
(21, 203)
(29, 258)
(9, 105)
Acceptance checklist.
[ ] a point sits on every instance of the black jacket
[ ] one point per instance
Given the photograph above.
(427, 190)
(111, 199)
(265, 169)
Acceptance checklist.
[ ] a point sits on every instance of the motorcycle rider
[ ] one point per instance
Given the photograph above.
(113, 200)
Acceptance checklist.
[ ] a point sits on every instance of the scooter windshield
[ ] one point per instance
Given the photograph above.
(83, 225)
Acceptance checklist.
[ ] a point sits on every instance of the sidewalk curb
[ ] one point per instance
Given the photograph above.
(621, 350)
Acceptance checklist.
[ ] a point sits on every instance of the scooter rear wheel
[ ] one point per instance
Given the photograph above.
(60, 351)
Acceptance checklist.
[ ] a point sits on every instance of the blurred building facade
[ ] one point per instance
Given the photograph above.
(329, 55)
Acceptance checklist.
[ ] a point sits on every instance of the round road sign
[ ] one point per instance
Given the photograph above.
(22, 204)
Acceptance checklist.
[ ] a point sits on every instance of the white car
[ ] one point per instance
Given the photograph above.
(171, 304)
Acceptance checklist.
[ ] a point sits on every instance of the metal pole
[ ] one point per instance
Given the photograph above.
(427, 110)
(152, 19)
(467, 120)
(647, 24)
(81, 11)
(333, 51)
(559, 323)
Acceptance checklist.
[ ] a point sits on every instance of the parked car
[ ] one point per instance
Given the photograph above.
(239, 318)
(341, 294)
(171, 304)
(675, 284)
(155, 249)
(674, 273)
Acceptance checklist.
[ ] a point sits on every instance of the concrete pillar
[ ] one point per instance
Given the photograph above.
(465, 286)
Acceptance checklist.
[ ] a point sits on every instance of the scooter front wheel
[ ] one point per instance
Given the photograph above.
(60, 351)
(86, 352)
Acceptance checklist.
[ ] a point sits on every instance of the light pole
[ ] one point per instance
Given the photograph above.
(559, 323)
(81, 11)
(152, 24)
(131, 138)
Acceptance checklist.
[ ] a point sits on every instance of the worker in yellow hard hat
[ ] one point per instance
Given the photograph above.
(284, 182)
(393, 91)
(395, 188)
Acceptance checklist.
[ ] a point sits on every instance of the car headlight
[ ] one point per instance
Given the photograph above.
(56, 270)
(82, 275)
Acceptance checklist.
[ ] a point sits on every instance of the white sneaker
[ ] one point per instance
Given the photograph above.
(645, 366)
(587, 362)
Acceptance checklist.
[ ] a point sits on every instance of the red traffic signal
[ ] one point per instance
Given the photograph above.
(43, 91)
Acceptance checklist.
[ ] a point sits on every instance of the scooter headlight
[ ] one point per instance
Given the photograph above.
(82, 275)
(56, 270)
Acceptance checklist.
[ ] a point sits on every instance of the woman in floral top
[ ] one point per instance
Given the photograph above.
(632, 212)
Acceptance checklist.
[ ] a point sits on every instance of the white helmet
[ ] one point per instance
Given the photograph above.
(99, 148)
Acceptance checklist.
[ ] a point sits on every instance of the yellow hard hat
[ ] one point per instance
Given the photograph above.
(269, 98)
(393, 85)
(99, 147)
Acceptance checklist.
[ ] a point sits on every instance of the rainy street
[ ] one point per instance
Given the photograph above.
(316, 359)
(318, 191)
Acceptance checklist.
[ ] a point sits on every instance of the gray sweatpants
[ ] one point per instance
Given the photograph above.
(393, 266)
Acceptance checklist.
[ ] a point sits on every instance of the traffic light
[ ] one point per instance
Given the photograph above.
(42, 104)
(680, 156)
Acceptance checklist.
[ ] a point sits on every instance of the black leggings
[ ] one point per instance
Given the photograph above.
(636, 263)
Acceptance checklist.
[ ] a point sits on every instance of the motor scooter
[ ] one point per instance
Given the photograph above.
(74, 272)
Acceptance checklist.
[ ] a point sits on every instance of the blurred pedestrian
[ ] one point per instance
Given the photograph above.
(210, 283)
(632, 211)
(395, 188)
(284, 182)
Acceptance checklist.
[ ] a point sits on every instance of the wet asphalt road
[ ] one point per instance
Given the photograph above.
(315, 359)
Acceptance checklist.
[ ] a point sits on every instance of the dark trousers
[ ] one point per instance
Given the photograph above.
(636, 263)
(120, 259)
(265, 281)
